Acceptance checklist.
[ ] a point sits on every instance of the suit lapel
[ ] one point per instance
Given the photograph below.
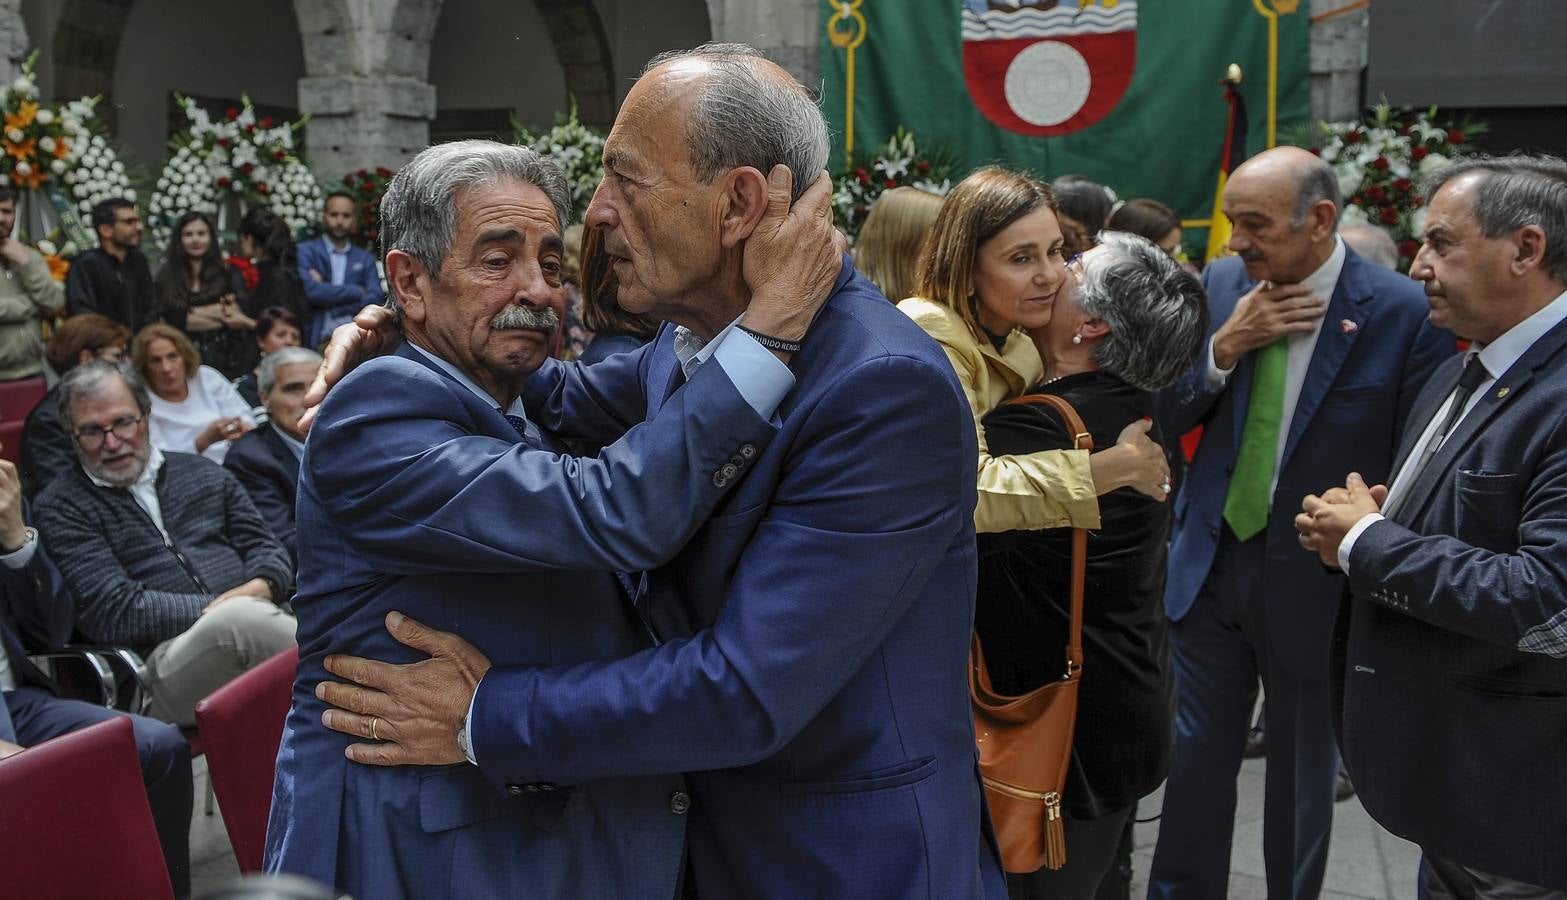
(1425, 408)
(1334, 341)
(1508, 386)
(663, 374)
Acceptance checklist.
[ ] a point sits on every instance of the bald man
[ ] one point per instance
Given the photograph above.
(1315, 359)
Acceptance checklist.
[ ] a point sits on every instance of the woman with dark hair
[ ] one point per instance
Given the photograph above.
(276, 328)
(264, 238)
(993, 268)
(1152, 220)
(1083, 207)
(1134, 323)
(199, 294)
(614, 329)
(47, 451)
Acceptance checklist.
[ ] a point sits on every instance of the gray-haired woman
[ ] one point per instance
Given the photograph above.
(1134, 323)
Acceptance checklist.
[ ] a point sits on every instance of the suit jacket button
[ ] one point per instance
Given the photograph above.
(1213, 533)
(720, 480)
(747, 450)
(1229, 469)
(679, 802)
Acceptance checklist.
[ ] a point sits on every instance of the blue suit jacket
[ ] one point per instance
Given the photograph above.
(1453, 651)
(416, 495)
(269, 473)
(812, 675)
(1351, 411)
(334, 304)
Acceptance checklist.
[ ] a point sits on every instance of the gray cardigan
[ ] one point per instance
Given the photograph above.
(133, 589)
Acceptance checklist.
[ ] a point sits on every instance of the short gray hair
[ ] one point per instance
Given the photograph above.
(1373, 242)
(418, 212)
(743, 117)
(1156, 310)
(266, 373)
(1315, 182)
(1515, 191)
(87, 380)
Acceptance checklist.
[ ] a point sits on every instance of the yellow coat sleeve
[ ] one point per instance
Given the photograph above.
(1048, 489)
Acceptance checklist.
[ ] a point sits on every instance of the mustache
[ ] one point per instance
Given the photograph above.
(523, 317)
(1252, 256)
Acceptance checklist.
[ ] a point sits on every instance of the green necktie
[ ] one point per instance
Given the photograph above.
(1251, 487)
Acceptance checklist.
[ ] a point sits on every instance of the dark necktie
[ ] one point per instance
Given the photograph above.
(521, 424)
(1473, 376)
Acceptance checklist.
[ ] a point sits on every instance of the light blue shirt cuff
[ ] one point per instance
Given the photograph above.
(760, 377)
(467, 728)
(1217, 377)
(1347, 546)
(21, 556)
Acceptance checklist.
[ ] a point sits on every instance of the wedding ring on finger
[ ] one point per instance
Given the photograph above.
(374, 721)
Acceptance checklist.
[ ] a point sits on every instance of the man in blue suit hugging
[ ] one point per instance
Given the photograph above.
(814, 631)
(426, 488)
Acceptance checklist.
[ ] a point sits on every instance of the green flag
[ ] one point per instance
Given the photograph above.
(1124, 92)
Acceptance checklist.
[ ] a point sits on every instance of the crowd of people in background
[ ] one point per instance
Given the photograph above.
(167, 497)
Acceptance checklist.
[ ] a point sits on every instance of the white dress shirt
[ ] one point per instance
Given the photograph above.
(1323, 282)
(1498, 356)
(145, 490)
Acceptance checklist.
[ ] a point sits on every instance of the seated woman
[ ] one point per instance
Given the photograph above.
(993, 267)
(194, 408)
(1134, 324)
(276, 328)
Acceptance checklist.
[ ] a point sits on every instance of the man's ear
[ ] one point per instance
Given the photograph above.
(408, 282)
(1531, 248)
(1322, 219)
(744, 202)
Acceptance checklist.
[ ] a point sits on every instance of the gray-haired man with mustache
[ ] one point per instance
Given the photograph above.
(425, 490)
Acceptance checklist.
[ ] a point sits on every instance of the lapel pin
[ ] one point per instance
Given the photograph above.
(1348, 326)
(1503, 392)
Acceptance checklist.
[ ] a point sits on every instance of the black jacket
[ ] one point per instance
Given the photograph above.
(269, 473)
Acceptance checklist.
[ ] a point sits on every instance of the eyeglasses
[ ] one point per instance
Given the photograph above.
(91, 437)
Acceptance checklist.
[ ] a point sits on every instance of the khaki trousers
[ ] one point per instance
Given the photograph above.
(236, 635)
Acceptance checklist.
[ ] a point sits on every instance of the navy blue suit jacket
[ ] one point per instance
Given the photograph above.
(333, 304)
(1362, 379)
(417, 495)
(812, 674)
(269, 473)
(1452, 653)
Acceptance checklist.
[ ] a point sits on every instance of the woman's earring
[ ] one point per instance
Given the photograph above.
(1077, 339)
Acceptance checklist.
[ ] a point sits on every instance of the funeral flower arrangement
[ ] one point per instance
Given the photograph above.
(899, 162)
(237, 157)
(1380, 161)
(576, 148)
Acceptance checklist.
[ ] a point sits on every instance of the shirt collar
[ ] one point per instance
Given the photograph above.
(1324, 281)
(148, 474)
(332, 248)
(1500, 354)
(298, 447)
(463, 379)
(692, 351)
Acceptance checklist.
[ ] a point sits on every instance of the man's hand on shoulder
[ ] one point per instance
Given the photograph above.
(792, 259)
(1264, 314)
(372, 333)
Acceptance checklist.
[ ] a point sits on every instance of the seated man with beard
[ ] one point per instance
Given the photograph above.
(425, 490)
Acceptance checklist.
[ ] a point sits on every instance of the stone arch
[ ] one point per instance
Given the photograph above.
(583, 50)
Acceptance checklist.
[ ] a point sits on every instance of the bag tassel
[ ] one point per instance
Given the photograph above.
(1055, 832)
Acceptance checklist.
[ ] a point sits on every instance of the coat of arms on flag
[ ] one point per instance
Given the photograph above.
(1048, 67)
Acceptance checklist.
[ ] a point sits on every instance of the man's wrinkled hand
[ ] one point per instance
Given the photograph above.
(1324, 521)
(372, 333)
(792, 259)
(411, 712)
(1264, 314)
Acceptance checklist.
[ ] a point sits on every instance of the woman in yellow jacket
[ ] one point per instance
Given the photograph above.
(991, 272)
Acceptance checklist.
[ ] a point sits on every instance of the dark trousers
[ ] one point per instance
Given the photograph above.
(1091, 846)
(36, 716)
(1220, 649)
(1442, 879)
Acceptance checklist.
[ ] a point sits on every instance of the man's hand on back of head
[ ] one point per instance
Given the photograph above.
(372, 333)
(792, 259)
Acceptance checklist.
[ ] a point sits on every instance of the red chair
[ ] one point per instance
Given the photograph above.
(17, 399)
(241, 725)
(75, 819)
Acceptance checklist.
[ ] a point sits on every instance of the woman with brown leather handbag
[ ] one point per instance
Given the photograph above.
(1071, 679)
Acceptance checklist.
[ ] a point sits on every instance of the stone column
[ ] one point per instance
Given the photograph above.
(786, 30)
(366, 89)
(1338, 60)
(13, 39)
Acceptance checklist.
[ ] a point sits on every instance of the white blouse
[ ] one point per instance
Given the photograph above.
(175, 426)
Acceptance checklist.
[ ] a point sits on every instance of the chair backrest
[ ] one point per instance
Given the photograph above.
(17, 399)
(76, 821)
(241, 725)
